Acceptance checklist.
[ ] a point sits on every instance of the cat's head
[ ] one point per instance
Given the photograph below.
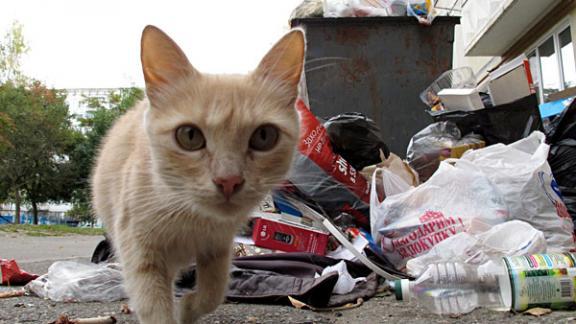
(220, 141)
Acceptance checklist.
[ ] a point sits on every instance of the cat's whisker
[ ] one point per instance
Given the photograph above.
(320, 67)
(327, 58)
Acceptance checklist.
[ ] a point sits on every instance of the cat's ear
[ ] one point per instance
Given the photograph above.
(163, 62)
(285, 60)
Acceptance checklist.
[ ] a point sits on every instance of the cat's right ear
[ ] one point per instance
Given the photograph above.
(285, 60)
(163, 62)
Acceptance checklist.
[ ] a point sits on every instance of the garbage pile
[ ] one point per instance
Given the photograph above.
(423, 10)
(480, 214)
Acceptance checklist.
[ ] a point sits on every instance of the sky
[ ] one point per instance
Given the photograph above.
(96, 44)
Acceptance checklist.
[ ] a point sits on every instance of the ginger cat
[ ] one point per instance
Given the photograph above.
(179, 173)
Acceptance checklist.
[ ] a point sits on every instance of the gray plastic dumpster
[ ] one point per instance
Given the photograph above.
(377, 66)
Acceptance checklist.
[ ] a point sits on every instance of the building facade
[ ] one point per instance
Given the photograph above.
(493, 32)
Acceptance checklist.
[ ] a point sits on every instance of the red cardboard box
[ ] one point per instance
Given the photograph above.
(278, 235)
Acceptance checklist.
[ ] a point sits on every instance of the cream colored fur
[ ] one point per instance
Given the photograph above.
(159, 203)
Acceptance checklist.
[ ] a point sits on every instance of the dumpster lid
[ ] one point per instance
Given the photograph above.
(371, 20)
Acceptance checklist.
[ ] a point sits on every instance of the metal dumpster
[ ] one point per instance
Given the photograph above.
(377, 66)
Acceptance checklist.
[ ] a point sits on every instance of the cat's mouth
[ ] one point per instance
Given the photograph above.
(227, 204)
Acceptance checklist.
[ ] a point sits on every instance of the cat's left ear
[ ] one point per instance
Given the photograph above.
(285, 60)
(163, 62)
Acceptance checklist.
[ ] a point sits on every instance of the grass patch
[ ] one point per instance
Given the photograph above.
(50, 230)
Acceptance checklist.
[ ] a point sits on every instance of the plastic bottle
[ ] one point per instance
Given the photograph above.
(512, 283)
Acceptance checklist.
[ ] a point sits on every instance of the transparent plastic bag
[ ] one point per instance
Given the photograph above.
(324, 178)
(507, 239)
(423, 10)
(409, 224)
(70, 281)
(436, 142)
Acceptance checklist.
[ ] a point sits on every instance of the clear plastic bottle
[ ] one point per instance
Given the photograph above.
(519, 283)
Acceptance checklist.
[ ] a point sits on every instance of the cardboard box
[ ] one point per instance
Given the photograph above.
(288, 237)
(511, 81)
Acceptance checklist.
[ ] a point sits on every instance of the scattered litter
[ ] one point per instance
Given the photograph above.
(513, 283)
(409, 224)
(300, 305)
(68, 281)
(396, 165)
(562, 158)
(11, 274)
(538, 311)
(125, 309)
(522, 175)
(357, 139)
(325, 178)
(65, 319)
(345, 282)
(12, 293)
(478, 246)
(437, 142)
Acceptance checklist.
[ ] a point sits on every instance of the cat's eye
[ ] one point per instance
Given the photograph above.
(190, 138)
(264, 138)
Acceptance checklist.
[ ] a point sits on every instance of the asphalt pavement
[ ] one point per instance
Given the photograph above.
(36, 254)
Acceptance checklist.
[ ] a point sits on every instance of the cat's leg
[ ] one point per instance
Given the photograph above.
(149, 287)
(212, 274)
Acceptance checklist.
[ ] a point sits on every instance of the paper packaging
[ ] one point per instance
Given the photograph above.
(511, 81)
(460, 99)
(288, 237)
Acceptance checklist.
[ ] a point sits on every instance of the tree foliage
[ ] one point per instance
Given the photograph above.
(12, 48)
(102, 115)
(35, 166)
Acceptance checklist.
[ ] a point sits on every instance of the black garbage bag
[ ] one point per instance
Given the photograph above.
(505, 124)
(562, 157)
(356, 138)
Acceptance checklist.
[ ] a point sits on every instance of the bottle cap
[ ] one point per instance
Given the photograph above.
(402, 289)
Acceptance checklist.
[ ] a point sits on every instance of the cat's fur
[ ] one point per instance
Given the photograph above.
(162, 205)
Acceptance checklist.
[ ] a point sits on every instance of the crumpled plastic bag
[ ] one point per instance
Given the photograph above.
(324, 178)
(70, 281)
(363, 8)
(356, 138)
(437, 142)
(410, 223)
(507, 239)
(523, 176)
(345, 283)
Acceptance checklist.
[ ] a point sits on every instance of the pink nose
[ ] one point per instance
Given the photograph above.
(229, 185)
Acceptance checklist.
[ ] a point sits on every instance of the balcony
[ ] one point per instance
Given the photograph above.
(491, 26)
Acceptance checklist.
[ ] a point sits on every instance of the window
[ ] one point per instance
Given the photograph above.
(552, 64)
(567, 54)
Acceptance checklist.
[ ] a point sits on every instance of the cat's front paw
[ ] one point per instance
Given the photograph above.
(189, 312)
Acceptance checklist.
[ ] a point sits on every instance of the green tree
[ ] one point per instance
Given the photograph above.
(35, 167)
(12, 48)
(102, 115)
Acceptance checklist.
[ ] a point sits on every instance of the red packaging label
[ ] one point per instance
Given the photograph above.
(285, 237)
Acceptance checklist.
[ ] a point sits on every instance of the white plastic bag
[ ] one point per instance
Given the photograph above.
(363, 8)
(409, 224)
(69, 281)
(392, 183)
(345, 283)
(507, 239)
(522, 174)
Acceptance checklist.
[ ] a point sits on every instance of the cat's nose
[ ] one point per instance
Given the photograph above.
(229, 185)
